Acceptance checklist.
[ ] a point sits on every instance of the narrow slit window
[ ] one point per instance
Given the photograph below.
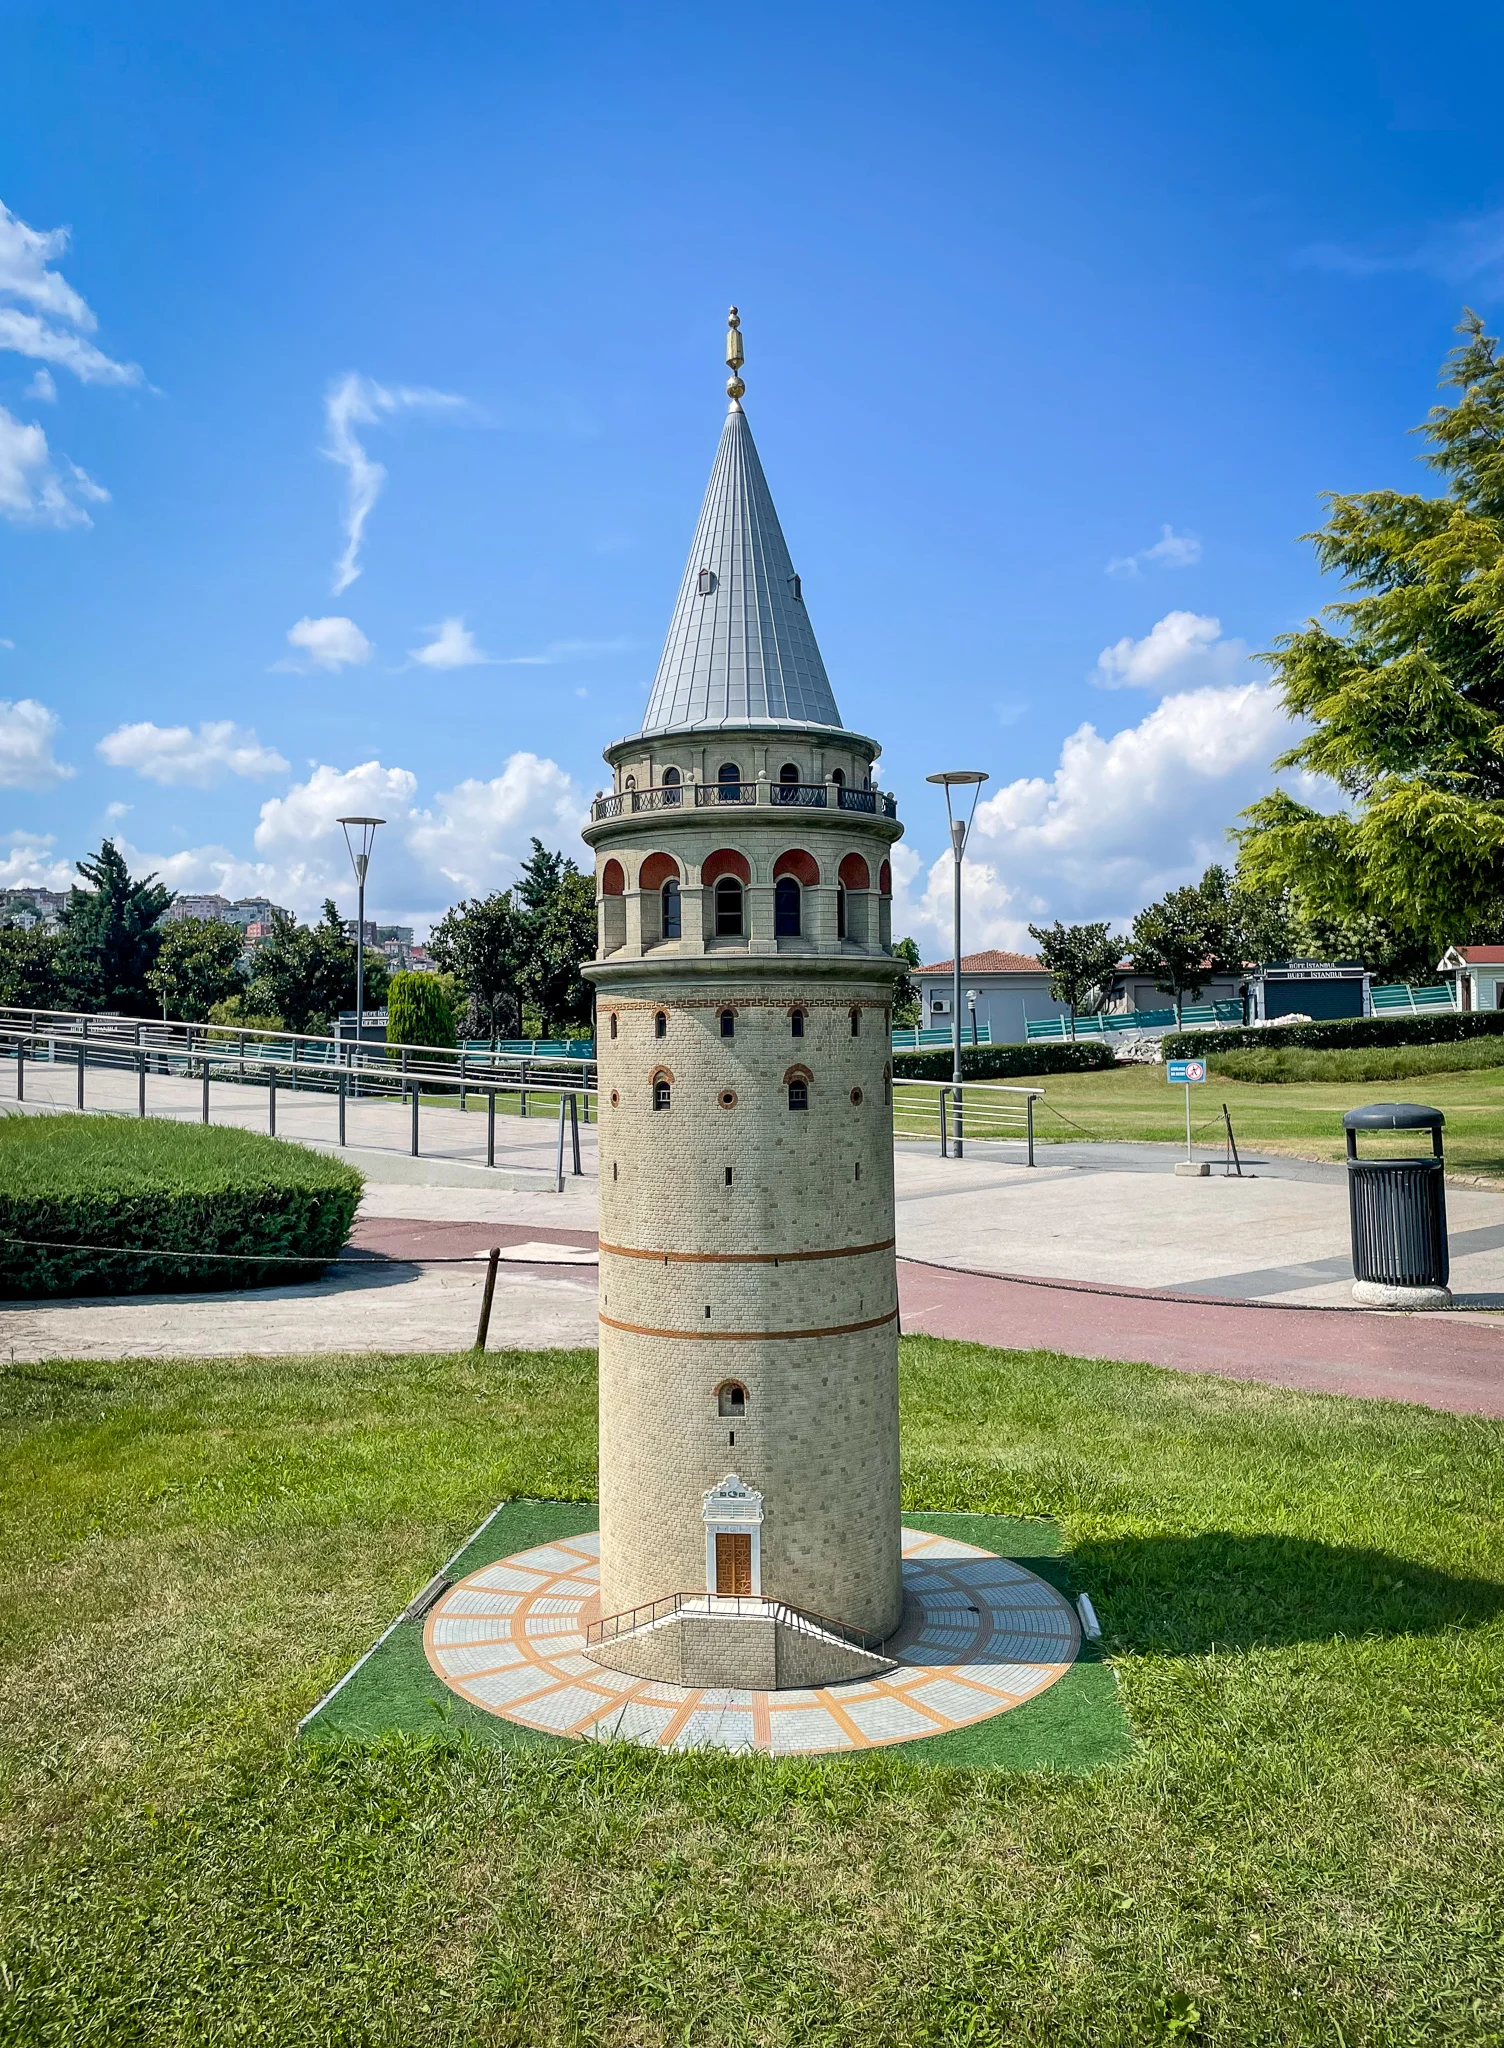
(796, 1024)
(672, 920)
(613, 1023)
(856, 1023)
(728, 1023)
(660, 1025)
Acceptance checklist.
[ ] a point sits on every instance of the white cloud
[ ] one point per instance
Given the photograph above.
(30, 863)
(1121, 820)
(1459, 252)
(42, 387)
(453, 647)
(1171, 551)
(32, 490)
(566, 650)
(1179, 651)
(27, 731)
(115, 812)
(177, 755)
(59, 318)
(326, 643)
(358, 401)
(469, 840)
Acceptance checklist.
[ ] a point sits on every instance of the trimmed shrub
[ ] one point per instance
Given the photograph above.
(1444, 1027)
(149, 1186)
(1005, 1062)
(419, 1011)
(1358, 1063)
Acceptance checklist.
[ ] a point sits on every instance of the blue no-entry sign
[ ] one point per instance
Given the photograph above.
(1185, 1071)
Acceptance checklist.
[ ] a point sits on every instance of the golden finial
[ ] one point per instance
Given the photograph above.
(734, 358)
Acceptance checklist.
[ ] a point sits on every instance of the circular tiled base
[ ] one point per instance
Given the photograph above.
(980, 1635)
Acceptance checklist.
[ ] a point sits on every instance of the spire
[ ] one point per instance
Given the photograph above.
(740, 647)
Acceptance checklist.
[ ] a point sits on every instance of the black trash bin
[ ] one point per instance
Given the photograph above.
(1398, 1209)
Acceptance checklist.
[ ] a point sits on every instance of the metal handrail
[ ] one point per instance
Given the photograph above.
(711, 795)
(610, 1626)
(171, 1035)
(988, 1091)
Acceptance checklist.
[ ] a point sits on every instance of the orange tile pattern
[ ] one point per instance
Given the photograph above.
(980, 1635)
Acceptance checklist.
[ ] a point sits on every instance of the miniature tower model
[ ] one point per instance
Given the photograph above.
(748, 1293)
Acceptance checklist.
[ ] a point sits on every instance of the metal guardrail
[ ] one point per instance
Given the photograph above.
(989, 1104)
(711, 795)
(151, 1049)
(731, 1606)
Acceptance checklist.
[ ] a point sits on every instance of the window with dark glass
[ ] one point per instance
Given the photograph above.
(728, 908)
(796, 1023)
(660, 1025)
(670, 785)
(613, 1023)
(840, 910)
(672, 927)
(798, 1095)
(786, 908)
(662, 1094)
(729, 777)
(838, 777)
(856, 1023)
(728, 1023)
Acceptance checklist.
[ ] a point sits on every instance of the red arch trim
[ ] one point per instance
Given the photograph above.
(657, 869)
(725, 862)
(613, 881)
(855, 872)
(802, 866)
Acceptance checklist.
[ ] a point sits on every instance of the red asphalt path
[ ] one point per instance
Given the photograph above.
(1443, 1360)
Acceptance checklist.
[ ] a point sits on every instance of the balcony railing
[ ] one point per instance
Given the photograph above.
(717, 795)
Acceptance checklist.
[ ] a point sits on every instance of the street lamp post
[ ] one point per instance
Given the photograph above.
(971, 1004)
(360, 844)
(949, 779)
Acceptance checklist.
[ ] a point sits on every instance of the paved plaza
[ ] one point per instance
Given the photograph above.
(1099, 1251)
(980, 1635)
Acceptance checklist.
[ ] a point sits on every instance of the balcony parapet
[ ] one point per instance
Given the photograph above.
(686, 796)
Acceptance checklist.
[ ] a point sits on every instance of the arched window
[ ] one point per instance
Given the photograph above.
(838, 777)
(732, 1398)
(856, 1023)
(796, 1023)
(613, 1023)
(728, 1023)
(840, 910)
(798, 1095)
(660, 1024)
(631, 782)
(663, 1091)
(787, 920)
(671, 790)
(728, 908)
(729, 778)
(789, 772)
(672, 921)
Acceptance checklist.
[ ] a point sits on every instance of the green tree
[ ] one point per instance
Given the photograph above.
(1187, 937)
(1083, 961)
(558, 919)
(419, 1011)
(481, 945)
(305, 974)
(1402, 688)
(906, 991)
(111, 933)
(29, 973)
(197, 966)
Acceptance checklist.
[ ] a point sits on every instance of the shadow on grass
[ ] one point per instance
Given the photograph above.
(1183, 1595)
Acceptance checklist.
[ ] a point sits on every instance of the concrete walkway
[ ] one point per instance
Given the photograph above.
(1100, 1251)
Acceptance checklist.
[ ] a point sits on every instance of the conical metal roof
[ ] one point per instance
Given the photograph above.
(741, 649)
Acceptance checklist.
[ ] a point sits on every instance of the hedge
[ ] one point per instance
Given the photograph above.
(1004, 1062)
(152, 1186)
(1443, 1027)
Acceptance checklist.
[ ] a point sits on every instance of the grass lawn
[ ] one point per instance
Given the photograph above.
(1304, 1605)
(1303, 1117)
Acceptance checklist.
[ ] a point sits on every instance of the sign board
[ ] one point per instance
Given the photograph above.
(1185, 1070)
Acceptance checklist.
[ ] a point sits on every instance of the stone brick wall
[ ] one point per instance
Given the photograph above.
(781, 1278)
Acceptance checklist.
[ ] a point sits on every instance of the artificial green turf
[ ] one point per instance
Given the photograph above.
(1303, 1600)
(1076, 1725)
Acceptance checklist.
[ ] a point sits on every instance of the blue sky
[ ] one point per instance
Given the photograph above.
(1058, 320)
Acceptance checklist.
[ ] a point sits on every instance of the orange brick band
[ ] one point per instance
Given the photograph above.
(752, 1336)
(849, 1251)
